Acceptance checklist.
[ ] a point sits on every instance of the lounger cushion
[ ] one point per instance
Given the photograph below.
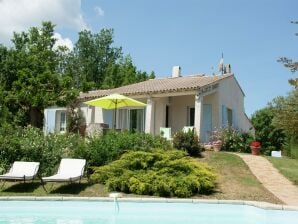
(19, 170)
(69, 170)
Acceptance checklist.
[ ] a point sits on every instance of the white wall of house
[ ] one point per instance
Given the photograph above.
(52, 119)
(231, 96)
(179, 111)
(160, 113)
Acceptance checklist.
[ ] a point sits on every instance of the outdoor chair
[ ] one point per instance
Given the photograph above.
(70, 170)
(166, 133)
(186, 129)
(21, 171)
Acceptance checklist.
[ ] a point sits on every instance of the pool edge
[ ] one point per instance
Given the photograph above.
(258, 204)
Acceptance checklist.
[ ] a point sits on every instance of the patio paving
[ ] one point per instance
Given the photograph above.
(271, 179)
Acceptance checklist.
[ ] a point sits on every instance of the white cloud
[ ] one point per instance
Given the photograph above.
(19, 15)
(60, 41)
(99, 11)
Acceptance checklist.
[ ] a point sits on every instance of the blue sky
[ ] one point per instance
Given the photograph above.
(252, 34)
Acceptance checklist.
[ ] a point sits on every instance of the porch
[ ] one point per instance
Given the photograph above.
(174, 112)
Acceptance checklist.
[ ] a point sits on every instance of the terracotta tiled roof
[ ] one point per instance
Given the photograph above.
(162, 85)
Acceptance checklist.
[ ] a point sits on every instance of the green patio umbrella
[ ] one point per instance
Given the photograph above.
(115, 101)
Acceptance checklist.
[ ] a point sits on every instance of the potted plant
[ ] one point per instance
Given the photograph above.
(217, 145)
(255, 147)
(216, 141)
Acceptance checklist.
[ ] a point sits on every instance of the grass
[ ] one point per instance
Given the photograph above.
(286, 166)
(84, 189)
(234, 182)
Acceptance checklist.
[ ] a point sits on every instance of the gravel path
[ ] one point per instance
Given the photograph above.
(271, 179)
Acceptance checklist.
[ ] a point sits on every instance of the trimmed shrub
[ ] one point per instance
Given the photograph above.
(189, 142)
(156, 172)
(109, 147)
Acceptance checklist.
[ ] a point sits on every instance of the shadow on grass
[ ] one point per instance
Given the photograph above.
(74, 188)
(22, 187)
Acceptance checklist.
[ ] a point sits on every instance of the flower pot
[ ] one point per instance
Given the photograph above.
(255, 150)
(217, 145)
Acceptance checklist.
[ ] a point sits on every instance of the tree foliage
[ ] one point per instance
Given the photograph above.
(270, 135)
(291, 64)
(30, 79)
(35, 73)
(96, 63)
(286, 113)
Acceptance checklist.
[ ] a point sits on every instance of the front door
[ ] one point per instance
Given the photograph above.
(207, 122)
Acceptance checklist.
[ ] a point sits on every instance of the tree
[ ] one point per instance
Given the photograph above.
(96, 64)
(30, 79)
(291, 64)
(271, 136)
(35, 74)
(286, 113)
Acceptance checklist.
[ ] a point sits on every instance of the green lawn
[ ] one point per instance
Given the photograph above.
(286, 166)
(83, 189)
(235, 180)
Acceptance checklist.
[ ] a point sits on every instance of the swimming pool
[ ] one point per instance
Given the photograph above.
(102, 212)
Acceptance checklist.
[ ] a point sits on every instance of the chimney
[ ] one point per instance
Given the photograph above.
(176, 72)
(228, 68)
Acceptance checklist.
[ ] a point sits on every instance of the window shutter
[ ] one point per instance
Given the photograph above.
(224, 116)
(234, 119)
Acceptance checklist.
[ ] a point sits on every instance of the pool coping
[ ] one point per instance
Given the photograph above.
(258, 204)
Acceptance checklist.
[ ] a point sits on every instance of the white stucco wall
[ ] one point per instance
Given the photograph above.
(160, 113)
(178, 111)
(231, 96)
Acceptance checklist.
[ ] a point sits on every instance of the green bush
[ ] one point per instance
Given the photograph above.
(291, 147)
(109, 147)
(235, 141)
(270, 136)
(156, 172)
(187, 141)
(30, 144)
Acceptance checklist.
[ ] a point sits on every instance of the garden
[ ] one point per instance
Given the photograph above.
(133, 163)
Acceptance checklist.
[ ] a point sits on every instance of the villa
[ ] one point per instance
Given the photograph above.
(200, 101)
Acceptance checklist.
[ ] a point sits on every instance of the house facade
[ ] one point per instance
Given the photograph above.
(200, 101)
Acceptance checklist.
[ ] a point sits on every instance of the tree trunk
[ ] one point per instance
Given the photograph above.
(36, 117)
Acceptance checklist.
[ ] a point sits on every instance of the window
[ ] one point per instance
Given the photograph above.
(137, 117)
(191, 116)
(62, 121)
(167, 116)
(230, 116)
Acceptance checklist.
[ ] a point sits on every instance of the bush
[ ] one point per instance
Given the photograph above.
(235, 141)
(291, 147)
(187, 141)
(30, 144)
(270, 136)
(109, 147)
(156, 172)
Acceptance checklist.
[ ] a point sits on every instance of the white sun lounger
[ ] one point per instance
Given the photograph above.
(70, 170)
(21, 171)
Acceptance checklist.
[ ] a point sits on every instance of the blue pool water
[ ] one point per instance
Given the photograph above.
(88, 212)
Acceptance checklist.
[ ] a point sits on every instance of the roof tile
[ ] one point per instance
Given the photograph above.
(191, 82)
